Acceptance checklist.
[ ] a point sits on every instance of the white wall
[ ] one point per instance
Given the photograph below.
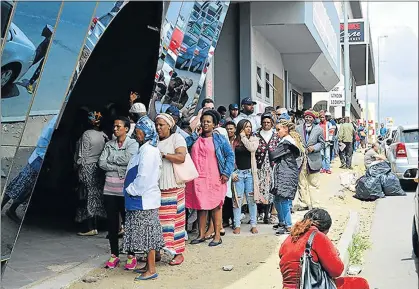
(339, 8)
(269, 59)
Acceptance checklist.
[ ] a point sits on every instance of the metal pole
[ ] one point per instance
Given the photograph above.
(346, 61)
(366, 69)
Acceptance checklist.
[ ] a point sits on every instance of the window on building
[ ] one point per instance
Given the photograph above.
(267, 86)
(259, 83)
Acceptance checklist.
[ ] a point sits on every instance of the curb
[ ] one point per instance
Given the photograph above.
(69, 276)
(352, 228)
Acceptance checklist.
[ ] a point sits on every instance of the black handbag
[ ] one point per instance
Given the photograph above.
(312, 274)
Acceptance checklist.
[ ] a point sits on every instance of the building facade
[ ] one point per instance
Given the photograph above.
(334, 101)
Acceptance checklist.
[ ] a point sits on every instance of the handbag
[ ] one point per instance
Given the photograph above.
(186, 171)
(312, 274)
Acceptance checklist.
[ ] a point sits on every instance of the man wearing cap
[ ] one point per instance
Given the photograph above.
(175, 113)
(247, 112)
(136, 111)
(310, 163)
(234, 112)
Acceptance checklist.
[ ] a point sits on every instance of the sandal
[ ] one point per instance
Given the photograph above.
(175, 262)
(254, 230)
(210, 237)
(142, 278)
(214, 244)
(222, 232)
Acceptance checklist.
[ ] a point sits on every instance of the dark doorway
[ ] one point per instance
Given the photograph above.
(124, 60)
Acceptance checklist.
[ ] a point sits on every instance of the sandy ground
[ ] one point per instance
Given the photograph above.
(255, 258)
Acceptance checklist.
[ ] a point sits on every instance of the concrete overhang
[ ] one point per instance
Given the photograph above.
(311, 57)
(357, 60)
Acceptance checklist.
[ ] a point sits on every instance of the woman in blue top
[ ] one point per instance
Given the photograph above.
(143, 231)
(214, 161)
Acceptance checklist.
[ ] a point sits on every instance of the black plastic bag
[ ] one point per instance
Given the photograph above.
(368, 189)
(378, 169)
(391, 185)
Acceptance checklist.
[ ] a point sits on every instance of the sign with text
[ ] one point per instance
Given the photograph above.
(337, 96)
(356, 31)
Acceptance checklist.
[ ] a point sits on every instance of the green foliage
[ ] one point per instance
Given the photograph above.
(356, 251)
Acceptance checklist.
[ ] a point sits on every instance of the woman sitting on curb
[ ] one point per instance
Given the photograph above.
(323, 252)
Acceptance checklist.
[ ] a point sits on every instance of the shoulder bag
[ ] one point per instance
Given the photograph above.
(312, 274)
(186, 171)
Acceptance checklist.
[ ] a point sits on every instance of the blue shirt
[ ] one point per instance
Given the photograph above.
(43, 141)
(383, 131)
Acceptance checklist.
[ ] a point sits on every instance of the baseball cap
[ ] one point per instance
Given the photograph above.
(328, 113)
(248, 101)
(138, 108)
(233, 106)
(173, 111)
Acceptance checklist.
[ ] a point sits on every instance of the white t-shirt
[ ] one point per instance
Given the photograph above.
(168, 146)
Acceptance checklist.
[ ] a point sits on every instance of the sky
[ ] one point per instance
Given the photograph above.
(398, 60)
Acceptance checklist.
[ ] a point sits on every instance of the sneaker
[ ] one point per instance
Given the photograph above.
(282, 231)
(131, 263)
(342, 167)
(322, 171)
(328, 172)
(112, 262)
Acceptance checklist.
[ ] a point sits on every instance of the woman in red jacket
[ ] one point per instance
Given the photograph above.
(323, 251)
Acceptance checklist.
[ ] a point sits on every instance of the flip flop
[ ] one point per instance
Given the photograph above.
(175, 263)
(141, 278)
(209, 237)
(214, 244)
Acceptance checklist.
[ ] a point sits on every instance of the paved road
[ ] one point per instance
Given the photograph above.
(390, 263)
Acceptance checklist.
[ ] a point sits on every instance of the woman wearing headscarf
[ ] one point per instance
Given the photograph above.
(245, 178)
(114, 160)
(143, 232)
(88, 150)
(285, 172)
(214, 160)
(267, 140)
(317, 222)
(172, 147)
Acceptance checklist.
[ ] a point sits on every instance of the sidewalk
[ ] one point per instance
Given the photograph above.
(64, 257)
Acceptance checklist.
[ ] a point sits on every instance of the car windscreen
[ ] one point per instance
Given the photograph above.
(202, 44)
(106, 19)
(189, 40)
(6, 11)
(410, 136)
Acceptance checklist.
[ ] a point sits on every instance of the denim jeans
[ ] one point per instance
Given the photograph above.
(326, 158)
(283, 207)
(244, 186)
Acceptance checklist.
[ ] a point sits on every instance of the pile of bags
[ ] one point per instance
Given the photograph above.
(378, 182)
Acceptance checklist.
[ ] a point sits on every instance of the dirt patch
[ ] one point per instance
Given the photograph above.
(202, 267)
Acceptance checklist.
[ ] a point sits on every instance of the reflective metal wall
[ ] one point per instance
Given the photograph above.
(45, 47)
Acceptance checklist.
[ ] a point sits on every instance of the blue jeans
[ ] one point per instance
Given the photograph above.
(244, 186)
(326, 158)
(283, 208)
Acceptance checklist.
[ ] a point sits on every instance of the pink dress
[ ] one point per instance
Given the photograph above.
(205, 192)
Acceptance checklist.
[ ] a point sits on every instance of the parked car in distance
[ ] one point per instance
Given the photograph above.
(18, 55)
(187, 51)
(415, 225)
(97, 28)
(175, 42)
(403, 152)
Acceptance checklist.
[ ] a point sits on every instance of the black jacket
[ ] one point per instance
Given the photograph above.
(285, 170)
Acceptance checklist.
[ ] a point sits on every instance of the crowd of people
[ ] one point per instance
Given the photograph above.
(154, 178)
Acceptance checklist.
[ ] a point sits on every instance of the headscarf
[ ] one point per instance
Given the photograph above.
(95, 117)
(310, 113)
(284, 116)
(167, 118)
(147, 126)
(294, 134)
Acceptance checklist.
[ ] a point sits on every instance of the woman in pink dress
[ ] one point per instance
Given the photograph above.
(214, 161)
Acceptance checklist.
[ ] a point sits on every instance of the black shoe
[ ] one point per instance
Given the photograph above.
(214, 244)
(342, 167)
(282, 231)
(197, 241)
(277, 226)
(350, 168)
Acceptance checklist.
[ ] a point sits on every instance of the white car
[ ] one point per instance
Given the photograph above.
(403, 152)
(97, 28)
(18, 55)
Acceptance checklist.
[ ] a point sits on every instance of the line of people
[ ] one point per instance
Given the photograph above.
(131, 177)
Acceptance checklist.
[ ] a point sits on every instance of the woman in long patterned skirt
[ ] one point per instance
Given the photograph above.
(142, 199)
(91, 178)
(172, 211)
(267, 140)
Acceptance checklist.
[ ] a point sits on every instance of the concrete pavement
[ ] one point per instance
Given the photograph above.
(390, 263)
